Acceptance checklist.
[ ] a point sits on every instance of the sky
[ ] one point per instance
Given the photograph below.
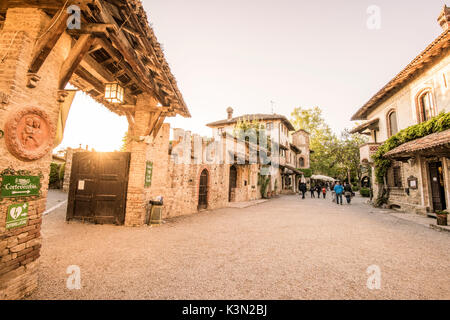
(247, 53)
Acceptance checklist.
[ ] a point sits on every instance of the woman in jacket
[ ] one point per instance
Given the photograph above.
(348, 192)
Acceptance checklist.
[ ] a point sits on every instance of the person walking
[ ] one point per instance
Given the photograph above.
(348, 192)
(324, 192)
(333, 194)
(311, 189)
(303, 189)
(318, 190)
(339, 190)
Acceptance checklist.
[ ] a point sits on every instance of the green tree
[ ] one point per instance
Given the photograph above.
(322, 140)
(348, 155)
(334, 156)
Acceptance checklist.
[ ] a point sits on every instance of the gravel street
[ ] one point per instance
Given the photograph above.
(286, 248)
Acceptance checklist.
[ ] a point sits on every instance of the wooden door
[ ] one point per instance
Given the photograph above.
(233, 183)
(437, 186)
(98, 187)
(203, 190)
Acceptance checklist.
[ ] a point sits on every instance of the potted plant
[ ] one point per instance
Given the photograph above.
(441, 217)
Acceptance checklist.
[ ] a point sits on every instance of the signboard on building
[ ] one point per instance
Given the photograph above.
(17, 216)
(148, 173)
(20, 186)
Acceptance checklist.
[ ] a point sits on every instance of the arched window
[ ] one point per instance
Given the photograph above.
(392, 123)
(301, 162)
(425, 106)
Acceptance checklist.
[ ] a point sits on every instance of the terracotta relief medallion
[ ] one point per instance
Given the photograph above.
(29, 134)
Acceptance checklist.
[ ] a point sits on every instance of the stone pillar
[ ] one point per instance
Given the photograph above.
(136, 199)
(20, 247)
(67, 169)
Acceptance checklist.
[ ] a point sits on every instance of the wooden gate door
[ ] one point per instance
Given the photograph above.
(233, 183)
(203, 190)
(98, 187)
(437, 186)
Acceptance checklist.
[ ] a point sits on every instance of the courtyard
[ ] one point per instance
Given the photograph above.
(285, 248)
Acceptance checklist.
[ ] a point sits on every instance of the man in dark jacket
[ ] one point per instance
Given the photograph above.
(348, 192)
(303, 189)
(318, 190)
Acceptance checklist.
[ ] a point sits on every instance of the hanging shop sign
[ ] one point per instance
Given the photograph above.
(17, 216)
(148, 173)
(20, 186)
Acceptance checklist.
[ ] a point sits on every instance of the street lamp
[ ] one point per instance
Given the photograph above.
(113, 92)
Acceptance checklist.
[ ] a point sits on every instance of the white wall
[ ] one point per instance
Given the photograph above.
(404, 101)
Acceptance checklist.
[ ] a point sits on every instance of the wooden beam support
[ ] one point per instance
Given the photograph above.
(94, 28)
(158, 126)
(152, 122)
(46, 4)
(128, 52)
(46, 43)
(77, 53)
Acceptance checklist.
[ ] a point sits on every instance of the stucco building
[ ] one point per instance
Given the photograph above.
(291, 148)
(419, 177)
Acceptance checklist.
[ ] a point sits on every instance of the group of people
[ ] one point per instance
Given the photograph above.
(337, 190)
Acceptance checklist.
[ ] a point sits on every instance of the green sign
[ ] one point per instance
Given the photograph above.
(17, 216)
(148, 173)
(20, 186)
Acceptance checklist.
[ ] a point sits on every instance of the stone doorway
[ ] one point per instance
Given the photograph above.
(437, 186)
(233, 184)
(203, 190)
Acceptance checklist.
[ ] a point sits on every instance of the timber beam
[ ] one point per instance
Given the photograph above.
(47, 40)
(77, 54)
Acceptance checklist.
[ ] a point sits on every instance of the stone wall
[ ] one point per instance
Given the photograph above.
(177, 180)
(418, 200)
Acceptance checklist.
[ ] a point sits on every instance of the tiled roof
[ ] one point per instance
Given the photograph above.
(137, 7)
(256, 116)
(430, 141)
(436, 48)
(365, 125)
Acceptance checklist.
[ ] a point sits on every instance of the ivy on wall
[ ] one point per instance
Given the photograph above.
(306, 172)
(434, 125)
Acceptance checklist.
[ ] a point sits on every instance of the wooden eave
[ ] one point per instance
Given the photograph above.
(124, 49)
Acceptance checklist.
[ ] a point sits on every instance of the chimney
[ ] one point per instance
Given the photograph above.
(444, 18)
(230, 112)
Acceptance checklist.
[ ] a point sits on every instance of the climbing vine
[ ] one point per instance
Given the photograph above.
(306, 172)
(434, 125)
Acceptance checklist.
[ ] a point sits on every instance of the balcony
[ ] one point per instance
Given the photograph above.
(366, 151)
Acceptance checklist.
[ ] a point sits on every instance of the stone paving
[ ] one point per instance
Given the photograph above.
(285, 248)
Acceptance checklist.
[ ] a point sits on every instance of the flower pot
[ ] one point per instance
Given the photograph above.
(441, 219)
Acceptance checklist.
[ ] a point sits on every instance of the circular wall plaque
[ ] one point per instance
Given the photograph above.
(29, 134)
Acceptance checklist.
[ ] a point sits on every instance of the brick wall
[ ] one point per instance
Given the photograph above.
(19, 248)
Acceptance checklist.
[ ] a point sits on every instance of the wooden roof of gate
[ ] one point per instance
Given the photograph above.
(116, 43)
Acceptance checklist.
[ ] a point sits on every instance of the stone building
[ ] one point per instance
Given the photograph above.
(106, 49)
(291, 149)
(419, 179)
(193, 173)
